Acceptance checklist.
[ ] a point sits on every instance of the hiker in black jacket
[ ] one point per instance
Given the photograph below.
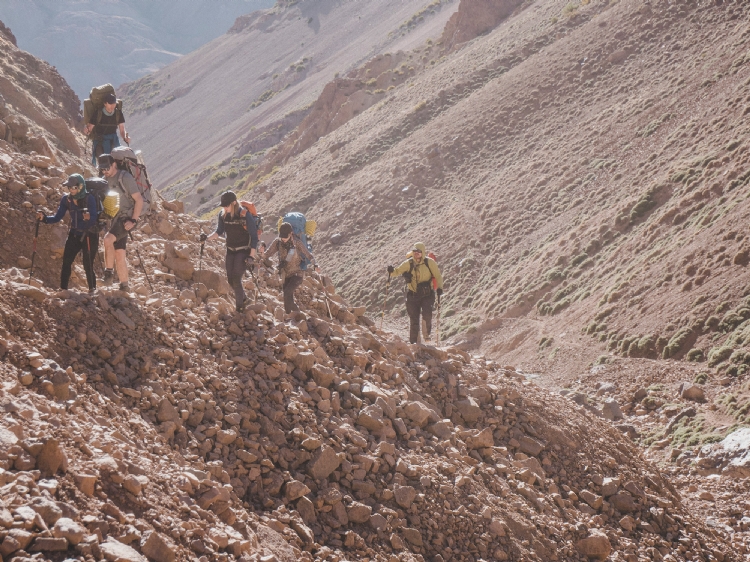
(83, 235)
(105, 123)
(241, 231)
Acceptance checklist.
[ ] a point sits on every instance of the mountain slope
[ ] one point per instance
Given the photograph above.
(270, 65)
(568, 168)
(93, 42)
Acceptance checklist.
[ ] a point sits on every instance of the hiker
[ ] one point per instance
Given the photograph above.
(419, 272)
(291, 254)
(83, 235)
(126, 219)
(105, 122)
(241, 231)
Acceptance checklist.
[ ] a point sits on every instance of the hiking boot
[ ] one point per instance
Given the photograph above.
(427, 337)
(124, 287)
(92, 290)
(241, 307)
(109, 275)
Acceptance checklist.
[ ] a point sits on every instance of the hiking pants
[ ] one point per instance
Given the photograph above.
(291, 284)
(416, 305)
(88, 243)
(235, 264)
(103, 145)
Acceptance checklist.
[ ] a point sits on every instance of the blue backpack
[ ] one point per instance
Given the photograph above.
(298, 222)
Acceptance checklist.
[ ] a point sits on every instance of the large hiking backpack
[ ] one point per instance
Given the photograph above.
(95, 102)
(299, 228)
(249, 207)
(132, 161)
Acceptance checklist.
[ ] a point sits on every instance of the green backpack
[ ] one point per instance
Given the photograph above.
(95, 102)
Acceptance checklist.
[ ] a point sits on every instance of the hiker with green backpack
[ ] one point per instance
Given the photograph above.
(104, 118)
(83, 235)
(419, 272)
(239, 223)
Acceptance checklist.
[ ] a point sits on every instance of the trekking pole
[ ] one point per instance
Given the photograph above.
(255, 280)
(385, 300)
(33, 253)
(140, 260)
(325, 297)
(437, 325)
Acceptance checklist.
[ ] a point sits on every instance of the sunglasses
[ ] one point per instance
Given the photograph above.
(75, 187)
(416, 251)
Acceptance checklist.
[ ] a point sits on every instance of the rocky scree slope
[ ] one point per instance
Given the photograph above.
(579, 165)
(205, 120)
(162, 426)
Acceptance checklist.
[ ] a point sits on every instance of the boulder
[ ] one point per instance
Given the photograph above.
(51, 458)
(322, 375)
(359, 512)
(371, 417)
(731, 456)
(157, 548)
(530, 446)
(622, 502)
(404, 495)
(694, 392)
(611, 410)
(595, 547)
(295, 490)
(469, 409)
(69, 530)
(481, 440)
(417, 412)
(323, 463)
(115, 551)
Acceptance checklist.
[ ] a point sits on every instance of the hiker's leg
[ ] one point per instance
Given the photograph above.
(109, 250)
(235, 266)
(90, 248)
(427, 304)
(412, 309)
(72, 247)
(122, 265)
(290, 285)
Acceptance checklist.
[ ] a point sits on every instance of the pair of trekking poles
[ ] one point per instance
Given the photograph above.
(385, 300)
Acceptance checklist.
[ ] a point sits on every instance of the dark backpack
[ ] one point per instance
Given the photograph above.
(99, 187)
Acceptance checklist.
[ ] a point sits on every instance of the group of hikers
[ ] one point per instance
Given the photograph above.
(121, 197)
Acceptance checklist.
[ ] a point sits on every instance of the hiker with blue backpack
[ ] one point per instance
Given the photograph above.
(83, 236)
(294, 256)
(239, 224)
(423, 280)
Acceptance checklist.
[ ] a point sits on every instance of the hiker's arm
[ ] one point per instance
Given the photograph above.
(273, 248)
(57, 217)
(138, 198)
(403, 268)
(435, 270)
(125, 136)
(219, 228)
(92, 212)
(252, 228)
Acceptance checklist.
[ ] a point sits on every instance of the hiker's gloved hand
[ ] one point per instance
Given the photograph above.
(391, 269)
(280, 268)
(250, 265)
(204, 236)
(40, 216)
(439, 292)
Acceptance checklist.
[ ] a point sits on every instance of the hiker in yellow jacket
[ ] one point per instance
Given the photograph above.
(420, 273)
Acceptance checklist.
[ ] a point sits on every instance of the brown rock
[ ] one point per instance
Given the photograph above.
(622, 502)
(481, 440)
(323, 463)
(530, 446)
(167, 412)
(114, 551)
(306, 509)
(404, 495)
(48, 509)
(49, 544)
(359, 512)
(322, 375)
(304, 361)
(135, 483)
(413, 536)
(295, 489)
(371, 417)
(85, 483)
(417, 412)
(158, 549)
(69, 530)
(51, 458)
(596, 546)
(592, 499)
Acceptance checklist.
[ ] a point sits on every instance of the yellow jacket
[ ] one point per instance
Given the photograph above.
(421, 270)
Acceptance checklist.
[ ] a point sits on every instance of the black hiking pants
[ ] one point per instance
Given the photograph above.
(291, 284)
(235, 264)
(88, 243)
(419, 303)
